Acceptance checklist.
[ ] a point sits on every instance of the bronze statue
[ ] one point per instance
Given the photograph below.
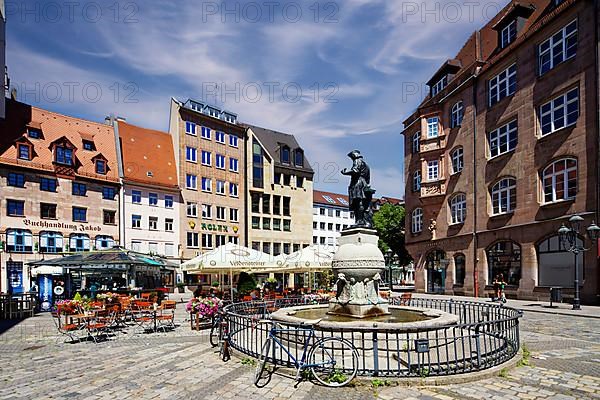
(360, 192)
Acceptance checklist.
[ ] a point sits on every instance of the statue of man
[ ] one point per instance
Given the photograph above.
(360, 192)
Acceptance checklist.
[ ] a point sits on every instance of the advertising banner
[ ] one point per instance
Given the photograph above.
(45, 284)
(14, 271)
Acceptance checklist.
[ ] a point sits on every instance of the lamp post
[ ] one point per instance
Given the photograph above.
(568, 239)
(388, 261)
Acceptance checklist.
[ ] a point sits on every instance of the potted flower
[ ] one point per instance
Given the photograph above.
(202, 308)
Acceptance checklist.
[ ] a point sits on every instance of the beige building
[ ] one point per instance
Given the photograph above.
(280, 192)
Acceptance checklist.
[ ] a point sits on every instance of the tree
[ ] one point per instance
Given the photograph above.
(389, 223)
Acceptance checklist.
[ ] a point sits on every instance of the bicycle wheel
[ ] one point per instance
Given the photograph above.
(215, 332)
(262, 361)
(334, 362)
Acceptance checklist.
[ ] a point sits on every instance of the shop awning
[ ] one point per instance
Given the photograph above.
(230, 258)
(117, 258)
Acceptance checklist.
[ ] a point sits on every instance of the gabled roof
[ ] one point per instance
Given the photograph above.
(330, 199)
(147, 150)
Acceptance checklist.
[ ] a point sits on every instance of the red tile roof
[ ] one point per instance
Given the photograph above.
(146, 150)
(55, 127)
(330, 199)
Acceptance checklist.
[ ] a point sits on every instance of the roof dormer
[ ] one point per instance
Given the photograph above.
(443, 76)
(285, 154)
(63, 151)
(511, 23)
(100, 164)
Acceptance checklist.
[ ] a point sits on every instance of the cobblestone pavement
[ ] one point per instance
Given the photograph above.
(35, 364)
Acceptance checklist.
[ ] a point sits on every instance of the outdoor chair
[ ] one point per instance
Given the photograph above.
(74, 329)
(143, 315)
(166, 317)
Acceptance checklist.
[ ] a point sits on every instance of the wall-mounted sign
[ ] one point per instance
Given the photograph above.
(215, 227)
(14, 272)
(192, 224)
(61, 225)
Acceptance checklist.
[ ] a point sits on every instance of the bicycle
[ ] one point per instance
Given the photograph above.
(332, 361)
(216, 333)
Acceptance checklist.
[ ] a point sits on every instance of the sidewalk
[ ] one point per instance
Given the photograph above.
(528, 305)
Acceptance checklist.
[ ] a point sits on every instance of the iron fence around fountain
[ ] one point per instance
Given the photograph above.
(486, 335)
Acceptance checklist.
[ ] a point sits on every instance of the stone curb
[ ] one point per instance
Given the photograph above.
(558, 313)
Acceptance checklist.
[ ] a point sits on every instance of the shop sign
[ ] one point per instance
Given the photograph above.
(46, 292)
(15, 276)
(214, 227)
(61, 225)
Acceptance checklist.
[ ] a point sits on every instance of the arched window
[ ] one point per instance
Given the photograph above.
(560, 180)
(19, 241)
(417, 181)
(417, 220)
(457, 160)
(504, 196)
(504, 258)
(459, 269)
(458, 208)
(104, 242)
(556, 264)
(416, 140)
(51, 242)
(79, 242)
(457, 114)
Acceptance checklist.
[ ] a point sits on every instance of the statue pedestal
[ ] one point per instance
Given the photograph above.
(359, 262)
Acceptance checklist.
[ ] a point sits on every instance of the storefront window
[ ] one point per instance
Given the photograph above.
(504, 258)
(556, 264)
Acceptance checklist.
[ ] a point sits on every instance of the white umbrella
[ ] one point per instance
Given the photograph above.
(311, 258)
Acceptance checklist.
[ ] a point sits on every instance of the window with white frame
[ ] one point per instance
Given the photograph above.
(220, 137)
(457, 114)
(560, 112)
(104, 242)
(417, 220)
(559, 180)
(191, 154)
(233, 189)
(233, 140)
(51, 242)
(416, 142)
(433, 127)
(136, 221)
(508, 34)
(457, 160)
(503, 139)
(558, 48)
(19, 241)
(458, 209)
(504, 196)
(169, 249)
(233, 164)
(206, 184)
(220, 187)
(233, 214)
(79, 242)
(433, 170)
(220, 161)
(207, 211)
(192, 240)
(205, 133)
(191, 181)
(439, 85)
(190, 128)
(417, 181)
(207, 240)
(206, 158)
(221, 213)
(503, 85)
(192, 209)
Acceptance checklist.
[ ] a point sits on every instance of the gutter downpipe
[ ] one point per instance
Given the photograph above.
(115, 124)
(475, 244)
(597, 106)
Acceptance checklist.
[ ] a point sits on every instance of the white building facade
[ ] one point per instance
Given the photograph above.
(330, 217)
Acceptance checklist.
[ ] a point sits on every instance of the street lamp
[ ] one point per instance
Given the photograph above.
(568, 239)
(388, 261)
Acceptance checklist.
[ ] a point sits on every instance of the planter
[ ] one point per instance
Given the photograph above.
(197, 323)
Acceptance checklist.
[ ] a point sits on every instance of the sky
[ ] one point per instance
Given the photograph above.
(339, 75)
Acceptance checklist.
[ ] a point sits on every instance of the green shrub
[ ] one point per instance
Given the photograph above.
(246, 284)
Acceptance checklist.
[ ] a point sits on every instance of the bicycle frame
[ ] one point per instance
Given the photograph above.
(298, 364)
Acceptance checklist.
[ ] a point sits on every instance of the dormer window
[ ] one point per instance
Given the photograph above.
(439, 85)
(285, 155)
(299, 158)
(63, 155)
(101, 167)
(508, 34)
(24, 152)
(34, 133)
(88, 145)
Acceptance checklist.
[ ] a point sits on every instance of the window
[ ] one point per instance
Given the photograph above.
(192, 240)
(287, 225)
(153, 223)
(276, 205)
(503, 85)
(457, 160)
(192, 209)
(220, 186)
(207, 240)
(15, 179)
(255, 222)
(233, 214)
(207, 158)
(34, 133)
(19, 241)
(220, 161)
(267, 248)
(136, 196)
(330, 227)
(416, 139)
(459, 270)
(136, 246)
(51, 242)
(101, 167)
(221, 213)
(190, 128)
(559, 113)
(79, 242)
(207, 211)
(416, 181)
(89, 146)
(338, 227)
(48, 184)
(169, 249)
(433, 171)
(153, 248)
(266, 223)
(557, 265)
(276, 249)
(417, 220)
(24, 152)
(458, 209)
(153, 199)
(285, 155)
(299, 181)
(256, 202)
(286, 206)
(322, 226)
(191, 182)
(104, 242)
(439, 85)
(322, 240)
(220, 137)
(277, 178)
(266, 203)
(287, 179)
(79, 189)
(504, 196)
(508, 34)
(504, 258)
(257, 166)
(558, 48)
(296, 247)
(299, 158)
(168, 201)
(457, 114)
(109, 217)
(48, 211)
(233, 140)
(63, 155)
(503, 139)
(108, 193)
(191, 154)
(286, 248)
(560, 180)
(136, 221)
(205, 132)
(233, 164)
(220, 240)
(79, 214)
(276, 224)
(233, 189)
(433, 126)
(322, 211)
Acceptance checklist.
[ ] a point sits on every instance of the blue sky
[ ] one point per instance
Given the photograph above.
(338, 75)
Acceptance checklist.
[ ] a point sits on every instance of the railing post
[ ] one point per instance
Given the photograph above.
(477, 345)
(375, 353)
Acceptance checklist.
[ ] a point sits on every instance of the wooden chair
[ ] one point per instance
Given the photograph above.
(166, 317)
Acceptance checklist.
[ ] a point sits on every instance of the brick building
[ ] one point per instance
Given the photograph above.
(503, 151)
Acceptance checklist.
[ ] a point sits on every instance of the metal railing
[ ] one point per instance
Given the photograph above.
(485, 335)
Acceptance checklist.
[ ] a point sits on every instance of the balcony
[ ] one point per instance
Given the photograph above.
(433, 189)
